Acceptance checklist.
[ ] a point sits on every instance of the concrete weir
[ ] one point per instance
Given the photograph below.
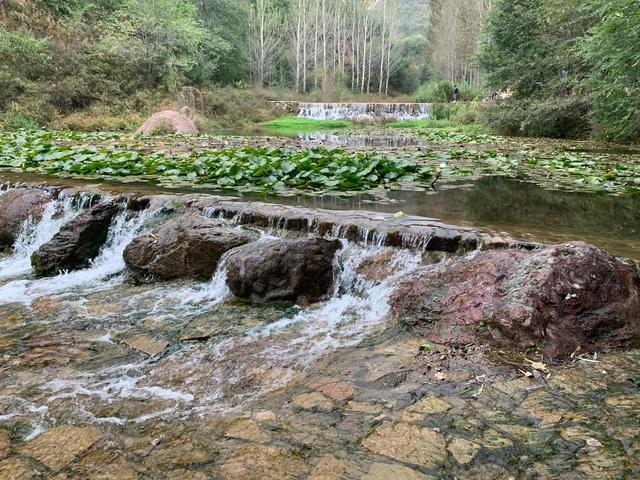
(372, 228)
(358, 112)
(356, 226)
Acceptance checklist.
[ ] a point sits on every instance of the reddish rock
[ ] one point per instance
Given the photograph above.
(16, 206)
(557, 299)
(174, 121)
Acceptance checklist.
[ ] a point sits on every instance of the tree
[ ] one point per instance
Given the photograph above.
(611, 48)
(159, 38)
(454, 27)
(227, 32)
(265, 23)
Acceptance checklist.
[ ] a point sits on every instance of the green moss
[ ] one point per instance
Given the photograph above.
(301, 124)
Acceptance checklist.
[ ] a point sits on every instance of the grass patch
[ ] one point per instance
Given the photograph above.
(301, 124)
(429, 122)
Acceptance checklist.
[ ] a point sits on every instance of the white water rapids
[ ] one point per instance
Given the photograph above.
(99, 309)
(365, 112)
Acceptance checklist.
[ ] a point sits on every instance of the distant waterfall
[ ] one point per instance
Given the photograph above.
(365, 112)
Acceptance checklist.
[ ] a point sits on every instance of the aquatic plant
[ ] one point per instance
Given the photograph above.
(240, 168)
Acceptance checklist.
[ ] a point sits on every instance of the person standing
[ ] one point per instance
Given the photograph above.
(456, 93)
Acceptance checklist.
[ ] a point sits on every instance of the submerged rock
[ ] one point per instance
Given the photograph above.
(301, 271)
(77, 242)
(59, 446)
(559, 299)
(16, 206)
(189, 246)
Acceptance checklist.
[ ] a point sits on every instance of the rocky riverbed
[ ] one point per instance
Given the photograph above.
(280, 342)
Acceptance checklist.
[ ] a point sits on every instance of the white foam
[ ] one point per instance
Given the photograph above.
(101, 274)
(35, 234)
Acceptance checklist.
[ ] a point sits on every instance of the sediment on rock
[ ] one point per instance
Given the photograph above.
(188, 246)
(562, 299)
(300, 271)
(361, 226)
(77, 242)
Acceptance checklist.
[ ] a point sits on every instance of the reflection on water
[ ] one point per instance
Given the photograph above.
(382, 141)
(524, 211)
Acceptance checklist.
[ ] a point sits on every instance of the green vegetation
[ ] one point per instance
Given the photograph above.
(429, 122)
(573, 68)
(613, 82)
(300, 124)
(185, 160)
(474, 134)
(243, 168)
(441, 91)
(487, 155)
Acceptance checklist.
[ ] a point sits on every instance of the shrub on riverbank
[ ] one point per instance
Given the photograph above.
(565, 117)
(441, 91)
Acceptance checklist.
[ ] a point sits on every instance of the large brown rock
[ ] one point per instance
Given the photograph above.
(16, 206)
(300, 271)
(77, 242)
(189, 246)
(557, 299)
(168, 119)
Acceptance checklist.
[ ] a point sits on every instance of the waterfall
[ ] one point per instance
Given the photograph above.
(34, 234)
(100, 274)
(365, 112)
(223, 372)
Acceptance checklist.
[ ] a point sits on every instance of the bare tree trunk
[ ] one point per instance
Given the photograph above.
(298, 32)
(324, 38)
(364, 55)
(382, 46)
(304, 47)
(315, 43)
(369, 67)
(353, 46)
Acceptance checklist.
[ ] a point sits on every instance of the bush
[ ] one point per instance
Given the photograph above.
(564, 117)
(441, 91)
(437, 91)
(461, 113)
(11, 121)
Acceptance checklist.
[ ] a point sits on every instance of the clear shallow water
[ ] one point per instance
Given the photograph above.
(241, 352)
(232, 379)
(523, 210)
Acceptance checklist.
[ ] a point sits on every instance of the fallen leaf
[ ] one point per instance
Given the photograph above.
(539, 366)
(592, 442)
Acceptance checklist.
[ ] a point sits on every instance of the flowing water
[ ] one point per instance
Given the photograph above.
(365, 112)
(183, 381)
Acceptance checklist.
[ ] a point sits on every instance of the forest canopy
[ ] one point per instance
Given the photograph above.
(572, 66)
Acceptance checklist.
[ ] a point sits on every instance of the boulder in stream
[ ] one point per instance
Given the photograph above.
(559, 300)
(16, 206)
(189, 246)
(299, 271)
(77, 242)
